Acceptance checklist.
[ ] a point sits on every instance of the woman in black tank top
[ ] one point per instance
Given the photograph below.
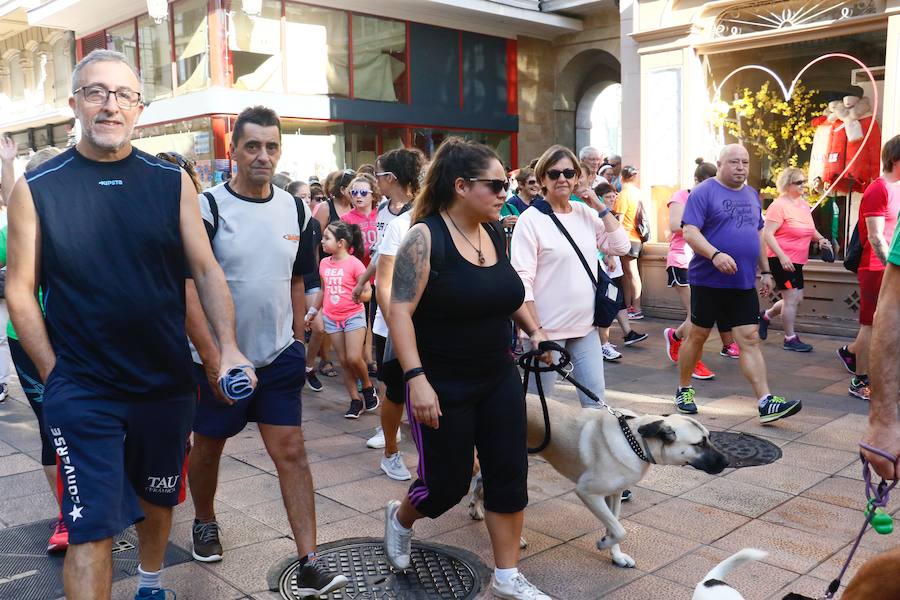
(452, 296)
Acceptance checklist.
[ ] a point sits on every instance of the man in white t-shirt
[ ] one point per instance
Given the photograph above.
(389, 372)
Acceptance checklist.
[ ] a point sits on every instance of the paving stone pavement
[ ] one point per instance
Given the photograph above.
(804, 509)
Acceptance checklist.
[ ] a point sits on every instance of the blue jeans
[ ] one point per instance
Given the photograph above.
(587, 358)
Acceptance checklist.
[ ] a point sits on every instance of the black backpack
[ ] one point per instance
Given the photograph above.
(853, 251)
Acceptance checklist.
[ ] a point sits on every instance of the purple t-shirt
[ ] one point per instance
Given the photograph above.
(730, 220)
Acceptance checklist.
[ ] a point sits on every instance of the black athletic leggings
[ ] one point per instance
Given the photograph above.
(484, 413)
(34, 391)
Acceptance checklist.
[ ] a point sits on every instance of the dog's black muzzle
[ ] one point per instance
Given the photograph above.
(711, 461)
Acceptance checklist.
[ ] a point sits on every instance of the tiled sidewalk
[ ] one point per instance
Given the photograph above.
(804, 509)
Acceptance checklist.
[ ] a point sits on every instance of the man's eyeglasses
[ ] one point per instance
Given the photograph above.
(97, 94)
(554, 174)
(359, 193)
(496, 185)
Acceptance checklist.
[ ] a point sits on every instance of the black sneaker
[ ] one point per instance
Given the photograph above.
(206, 544)
(848, 359)
(633, 337)
(356, 409)
(684, 401)
(313, 381)
(316, 579)
(626, 495)
(370, 398)
(776, 407)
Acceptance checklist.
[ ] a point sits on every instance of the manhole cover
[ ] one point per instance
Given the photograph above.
(743, 449)
(438, 572)
(27, 572)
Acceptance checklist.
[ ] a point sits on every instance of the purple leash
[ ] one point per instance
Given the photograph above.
(877, 497)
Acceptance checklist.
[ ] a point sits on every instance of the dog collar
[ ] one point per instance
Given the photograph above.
(647, 457)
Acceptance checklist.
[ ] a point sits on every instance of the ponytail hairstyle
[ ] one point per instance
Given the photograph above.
(454, 158)
(704, 170)
(406, 164)
(341, 180)
(629, 173)
(351, 235)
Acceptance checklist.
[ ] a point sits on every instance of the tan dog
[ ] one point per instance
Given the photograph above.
(588, 447)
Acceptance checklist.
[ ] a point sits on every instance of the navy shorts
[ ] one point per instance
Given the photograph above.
(276, 400)
(114, 449)
(34, 391)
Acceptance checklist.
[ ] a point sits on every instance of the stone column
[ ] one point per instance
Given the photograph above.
(890, 122)
(631, 84)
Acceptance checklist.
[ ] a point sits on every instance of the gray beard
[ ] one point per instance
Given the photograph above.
(89, 134)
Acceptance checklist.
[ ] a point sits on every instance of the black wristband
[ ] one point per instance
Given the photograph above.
(715, 254)
(413, 373)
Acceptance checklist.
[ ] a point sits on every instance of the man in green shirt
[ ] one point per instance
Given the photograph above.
(884, 427)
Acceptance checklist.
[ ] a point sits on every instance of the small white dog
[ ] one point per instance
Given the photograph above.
(714, 588)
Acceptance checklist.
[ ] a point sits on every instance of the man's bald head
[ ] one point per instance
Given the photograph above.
(734, 166)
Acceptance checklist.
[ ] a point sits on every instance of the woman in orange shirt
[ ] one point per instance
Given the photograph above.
(625, 209)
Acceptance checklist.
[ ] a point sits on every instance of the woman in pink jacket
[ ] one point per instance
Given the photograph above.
(558, 292)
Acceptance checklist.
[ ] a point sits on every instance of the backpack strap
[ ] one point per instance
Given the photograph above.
(303, 214)
(214, 210)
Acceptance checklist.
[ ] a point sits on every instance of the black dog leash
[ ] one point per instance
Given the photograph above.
(531, 363)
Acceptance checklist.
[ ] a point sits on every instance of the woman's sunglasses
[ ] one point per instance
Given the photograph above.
(554, 174)
(531, 182)
(496, 185)
(359, 193)
(801, 182)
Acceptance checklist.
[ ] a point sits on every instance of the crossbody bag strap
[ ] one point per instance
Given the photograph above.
(575, 247)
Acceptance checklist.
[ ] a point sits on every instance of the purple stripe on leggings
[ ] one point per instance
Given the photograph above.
(418, 495)
(416, 429)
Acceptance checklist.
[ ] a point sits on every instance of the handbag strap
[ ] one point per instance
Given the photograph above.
(575, 247)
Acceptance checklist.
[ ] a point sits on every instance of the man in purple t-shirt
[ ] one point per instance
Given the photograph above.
(723, 224)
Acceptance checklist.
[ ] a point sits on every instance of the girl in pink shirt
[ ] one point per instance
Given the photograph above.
(788, 232)
(363, 214)
(344, 319)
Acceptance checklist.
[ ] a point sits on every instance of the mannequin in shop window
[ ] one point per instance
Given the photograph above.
(848, 133)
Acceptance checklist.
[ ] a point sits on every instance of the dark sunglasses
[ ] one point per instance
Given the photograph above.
(531, 182)
(359, 193)
(554, 174)
(496, 185)
(801, 182)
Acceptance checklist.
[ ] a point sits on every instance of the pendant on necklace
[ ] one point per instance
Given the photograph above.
(480, 257)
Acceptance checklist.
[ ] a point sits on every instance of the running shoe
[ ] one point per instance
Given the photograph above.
(701, 372)
(154, 594)
(4, 392)
(370, 398)
(634, 314)
(517, 588)
(795, 345)
(633, 337)
(59, 539)
(626, 495)
(848, 359)
(356, 409)
(730, 351)
(776, 407)
(764, 323)
(397, 544)
(859, 388)
(206, 544)
(684, 401)
(394, 468)
(377, 440)
(610, 353)
(672, 345)
(312, 381)
(315, 579)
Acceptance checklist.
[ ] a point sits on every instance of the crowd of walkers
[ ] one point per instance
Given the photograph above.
(393, 268)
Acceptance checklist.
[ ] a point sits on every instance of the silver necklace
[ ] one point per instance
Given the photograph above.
(474, 247)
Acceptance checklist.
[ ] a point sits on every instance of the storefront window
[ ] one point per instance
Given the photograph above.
(255, 48)
(122, 39)
(191, 45)
(155, 52)
(311, 148)
(316, 50)
(428, 140)
(361, 146)
(379, 59)
(192, 139)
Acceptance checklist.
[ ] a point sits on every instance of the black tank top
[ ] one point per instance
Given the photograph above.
(462, 321)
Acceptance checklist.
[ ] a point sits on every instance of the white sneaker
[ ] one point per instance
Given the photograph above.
(610, 353)
(4, 392)
(377, 440)
(397, 544)
(517, 588)
(394, 468)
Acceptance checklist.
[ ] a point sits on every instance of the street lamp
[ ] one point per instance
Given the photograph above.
(158, 10)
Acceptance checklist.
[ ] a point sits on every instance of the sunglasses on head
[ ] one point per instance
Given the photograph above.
(174, 157)
(359, 193)
(554, 174)
(385, 174)
(496, 185)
